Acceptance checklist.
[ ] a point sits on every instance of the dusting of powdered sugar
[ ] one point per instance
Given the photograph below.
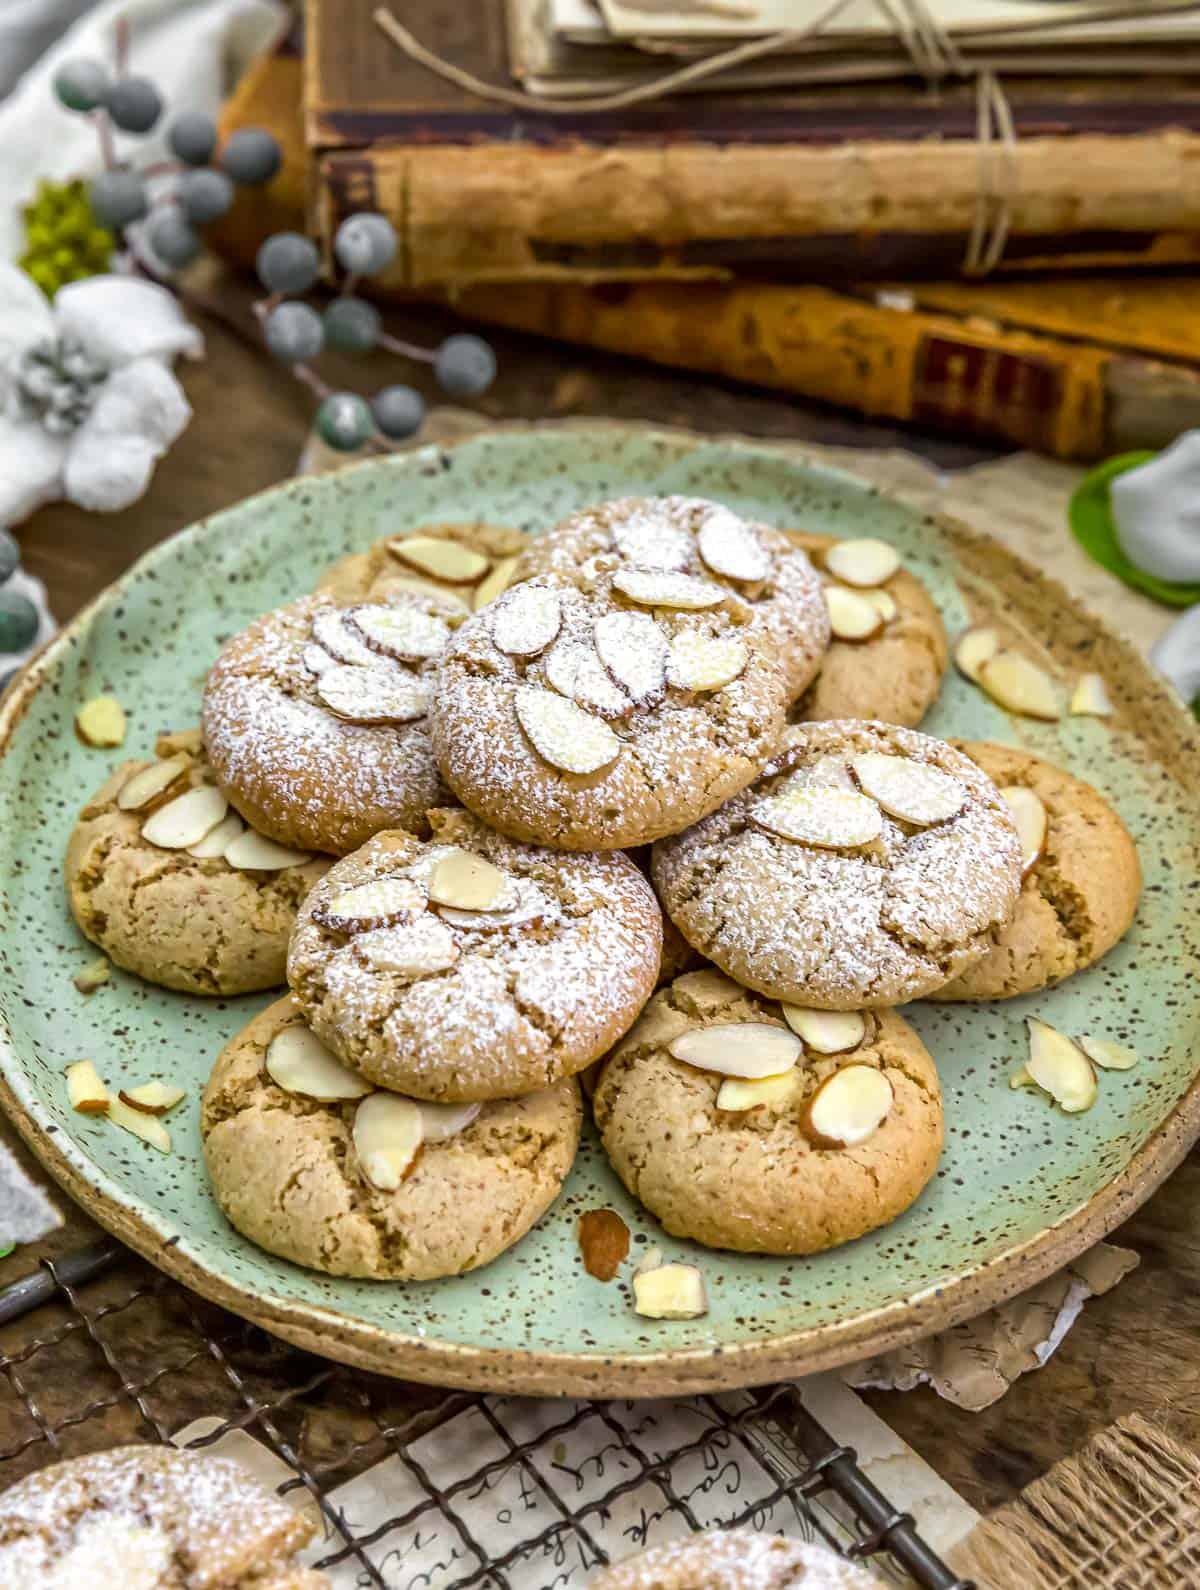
(737, 1559)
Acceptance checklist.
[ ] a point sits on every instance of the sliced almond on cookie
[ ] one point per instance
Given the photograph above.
(494, 582)
(470, 883)
(1059, 1066)
(826, 1031)
(142, 787)
(185, 820)
(561, 664)
(300, 1063)
(662, 588)
(218, 840)
(564, 734)
(403, 633)
(633, 648)
(85, 1091)
(832, 819)
(148, 1127)
(912, 791)
(1108, 1054)
(388, 1131)
(848, 1107)
(448, 561)
(332, 631)
(1020, 686)
(383, 902)
(975, 647)
(414, 949)
(316, 659)
(526, 619)
(851, 617)
(864, 561)
(530, 905)
(101, 722)
(440, 1122)
(730, 547)
(452, 601)
(649, 543)
(374, 695)
(749, 1049)
(596, 690)
(1029, 814)
(736, 1096)
(253, 852)
(152, 1098)
(1090, 698)
(705, 662)
(670, 1291)
(883, 602)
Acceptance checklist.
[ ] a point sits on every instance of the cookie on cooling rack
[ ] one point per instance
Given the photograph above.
(169, 881)
(736, 1559)
(460, 566)
(741, 1125)
(868, 866)
(313, 1164)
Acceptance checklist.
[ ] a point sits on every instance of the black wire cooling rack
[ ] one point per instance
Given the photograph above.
(415, 1486)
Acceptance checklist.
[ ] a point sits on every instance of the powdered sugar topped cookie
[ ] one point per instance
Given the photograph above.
(810, 888)
(736, 1559)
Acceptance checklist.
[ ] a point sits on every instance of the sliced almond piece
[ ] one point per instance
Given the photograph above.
(1058, 1065)
(495, 581)
(452, 601)
(883, 602)
(1020, 686)
(670, 1291)
(383, 902)
(705, 662)
(185, 820)
(254, 852)
(749, 1049)
(848, 1107)
(530, 905)
(851, 616)
(300, 1063)
(415, 949)
(1090, 698)
(864, 561)
(826, 1031)
(663, 588)
(85, 1091)
(975, 647)
(595, 690)
(444, 560)
(1029, 815)
(218, 840)
(1021, 1078)
(603, 1242)
(648, 542)
(440, 1122)
(736, 1096)
(730, 547)
(101, 722)
(1108, 1054)
(142, 787)
(470, 883)
(564, 734)
(316, 659)
(526, 619)
(633, 648)
(93, 976)
(833, 819)
(152, 1098)
(148, 1127)
(912, 791)
(387, 1134)
(403, 633)
(333, 632)
(374, 695)
(650, 1260)
(561, 664)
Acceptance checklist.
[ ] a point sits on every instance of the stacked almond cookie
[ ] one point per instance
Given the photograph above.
(479, 727)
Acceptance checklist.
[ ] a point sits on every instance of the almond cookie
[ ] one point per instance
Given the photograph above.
(461, 566)
(315, 718)
(313, 1164)
(738, 1132)
(150, 1518)
(736, 1559)
(763, 571)
(1081, 885)
(868, 865)
(169, 881)
(889, 652)
(594, 719)
(471, 967)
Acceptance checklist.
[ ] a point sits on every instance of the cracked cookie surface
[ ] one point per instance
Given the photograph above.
(285, 1172)
(511, 1008)
(195, 924)
(871, 925)
(1079, 897)
(379, 572)
(752, 1180)
(151, 1518)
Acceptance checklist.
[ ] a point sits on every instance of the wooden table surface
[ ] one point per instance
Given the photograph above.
(1136, 1348)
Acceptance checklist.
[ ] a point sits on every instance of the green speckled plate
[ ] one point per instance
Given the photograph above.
(1022, 1187)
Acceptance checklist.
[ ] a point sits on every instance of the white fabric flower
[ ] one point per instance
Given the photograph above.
(88, 402)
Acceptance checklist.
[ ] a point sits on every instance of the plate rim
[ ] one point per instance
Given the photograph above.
(670, 1371)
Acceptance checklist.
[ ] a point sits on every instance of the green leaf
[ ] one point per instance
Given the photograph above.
(4, 1252)
(1092, 526)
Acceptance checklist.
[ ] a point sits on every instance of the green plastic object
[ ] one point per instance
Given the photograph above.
(1092, 526)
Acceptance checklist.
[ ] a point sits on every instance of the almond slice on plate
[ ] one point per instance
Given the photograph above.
(1059, 1066)
(826, 1031)
(748, 1049)
(1108, 1054)
(663, 588)
(470, 883)
(1020, 686)
(912, 791)
(93, 976)
(974, 648)
(495, 581)
(333, 633)
(218, 840)
(148, 1127)
(440, 1122)
(101, 722)
(405, 634)
(85, 1091)
(530, 905)
(730, 547)
(253, 852)
(670, 1291)
(705, 662)
(832, 819)
(603, 1242)
(300, 1063)
(1021, 1078)
(883, 602)
(444, 560)
(1029, 815)
(595, 690)
(185, 820)
(735, 1096)
(316, 659)
(526, 619)
(633, 648)
(383, 902)
(374, 695)
(142, 787)
(864, 561)
(848, 1107)
(649, 543)
(1090, 698)
(414, 949)
(851, 616)
(152, 1098)
(565, 735)
(388, 1131)
(650, 1260)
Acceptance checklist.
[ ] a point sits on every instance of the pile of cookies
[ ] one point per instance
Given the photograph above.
(658, 747)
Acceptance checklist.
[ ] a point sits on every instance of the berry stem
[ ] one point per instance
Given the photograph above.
(410, 350)
(104, 132)
(350, 283)
(306, 374)
(162, 168)
(121, 45)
